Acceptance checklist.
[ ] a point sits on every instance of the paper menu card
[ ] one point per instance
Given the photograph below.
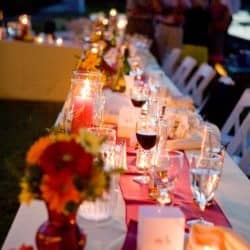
(160, 228)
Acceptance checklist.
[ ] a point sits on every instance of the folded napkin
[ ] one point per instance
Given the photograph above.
(184, 144)
(181, 102)
(215, 237)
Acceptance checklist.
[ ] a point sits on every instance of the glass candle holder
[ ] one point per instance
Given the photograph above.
(80, 106)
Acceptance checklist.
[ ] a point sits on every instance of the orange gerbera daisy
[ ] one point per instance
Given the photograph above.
(36, 149)
(58, 190)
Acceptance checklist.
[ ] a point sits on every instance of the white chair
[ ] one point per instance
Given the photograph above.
(170, 61)
(199, 82)
(240, 145)
(183, 71)
(232, 124)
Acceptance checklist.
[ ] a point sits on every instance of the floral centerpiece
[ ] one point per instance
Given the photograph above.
(63, 170)
(107, 56)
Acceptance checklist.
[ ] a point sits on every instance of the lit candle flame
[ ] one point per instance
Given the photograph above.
(121, 24)
(24, 19)
(105, 21)
(59, 41)
(113, 12)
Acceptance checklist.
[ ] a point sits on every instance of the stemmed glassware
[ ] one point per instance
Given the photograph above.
(167, 169)
(205, 173)
(146, 134)
(139, 94)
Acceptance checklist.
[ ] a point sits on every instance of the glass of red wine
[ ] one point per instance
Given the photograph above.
(139, 93)
(147, 135)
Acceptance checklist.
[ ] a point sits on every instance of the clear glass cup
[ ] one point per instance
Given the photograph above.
(167, 168)
(108, 147)
(211, 140)
(204, 175)
(79, 108)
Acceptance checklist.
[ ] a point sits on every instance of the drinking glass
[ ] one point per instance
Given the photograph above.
(204, 174)
(138, 94)
(108, 146)
(146, 134)
(211, 140)
(167, 168)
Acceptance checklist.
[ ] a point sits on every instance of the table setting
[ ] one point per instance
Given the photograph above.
(129, 163)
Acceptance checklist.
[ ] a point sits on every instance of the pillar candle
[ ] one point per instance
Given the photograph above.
(83, 109)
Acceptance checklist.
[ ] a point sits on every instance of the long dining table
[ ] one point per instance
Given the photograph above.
(232, 197)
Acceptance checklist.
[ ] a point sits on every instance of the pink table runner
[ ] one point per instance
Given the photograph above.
(135, 195)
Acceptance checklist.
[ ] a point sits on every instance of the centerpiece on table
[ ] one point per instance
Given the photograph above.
(64, 170)
(106, 54)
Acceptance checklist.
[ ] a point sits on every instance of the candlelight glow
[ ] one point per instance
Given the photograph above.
(122, 23)
(24, 19)
(59, 41)
(113, 12)
(39, 39)
(86, 90)
(105, 21)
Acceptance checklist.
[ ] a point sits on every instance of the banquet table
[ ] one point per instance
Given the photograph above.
(37, 72)
(233, 197)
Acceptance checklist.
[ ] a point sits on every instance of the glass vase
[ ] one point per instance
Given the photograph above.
(60, 232)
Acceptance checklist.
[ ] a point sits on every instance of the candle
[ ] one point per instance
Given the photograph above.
(83, 109)
(113, 12)
(59, 41)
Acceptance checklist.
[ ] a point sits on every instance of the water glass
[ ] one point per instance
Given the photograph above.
(211, 140)
(205, 174)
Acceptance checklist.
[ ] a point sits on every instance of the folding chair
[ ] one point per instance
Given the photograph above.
(233, 122)
(170, 61)
(240, 145)
(199, 82)
(183, 71)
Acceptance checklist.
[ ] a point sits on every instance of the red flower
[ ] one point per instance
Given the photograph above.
(25, 247)
(67, 156)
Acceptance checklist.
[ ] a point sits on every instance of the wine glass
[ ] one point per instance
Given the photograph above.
(146, 134)
(139, 93)
(167, 169)
(205, 174)
(211, 140)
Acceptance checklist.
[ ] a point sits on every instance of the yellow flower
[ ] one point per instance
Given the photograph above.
(25, 195)
(90, 142)
(90, 62)
(99, 182)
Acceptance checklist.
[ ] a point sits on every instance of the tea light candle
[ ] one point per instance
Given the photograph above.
(59, 41)
(122, 23)
(113, 13)
(83, 109)
(39, 39)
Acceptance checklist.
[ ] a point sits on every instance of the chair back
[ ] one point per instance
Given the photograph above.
(170, 61)
(199, 82)
(183, 71)
(240, 145)
(233, 121)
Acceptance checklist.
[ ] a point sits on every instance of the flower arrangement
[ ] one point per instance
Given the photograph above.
(64, 170)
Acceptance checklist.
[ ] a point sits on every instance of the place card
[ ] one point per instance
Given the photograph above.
(160, 228)
(127, 123)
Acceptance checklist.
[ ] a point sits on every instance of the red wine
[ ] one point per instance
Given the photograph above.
(138, 103)
(146, 139)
